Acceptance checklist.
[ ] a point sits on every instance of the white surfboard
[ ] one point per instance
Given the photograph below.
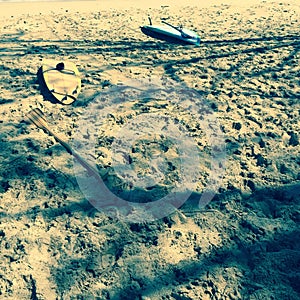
(62, 80)
(172, 34)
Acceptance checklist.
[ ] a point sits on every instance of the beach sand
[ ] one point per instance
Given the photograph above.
(244, 244)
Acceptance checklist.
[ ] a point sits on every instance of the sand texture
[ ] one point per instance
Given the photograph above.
(244, 244)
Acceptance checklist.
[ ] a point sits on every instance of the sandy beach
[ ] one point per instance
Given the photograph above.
(159, 121)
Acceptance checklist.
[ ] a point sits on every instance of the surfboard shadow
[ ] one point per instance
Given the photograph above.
(47, 95)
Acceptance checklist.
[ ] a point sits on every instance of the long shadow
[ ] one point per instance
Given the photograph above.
(264, 261)
(248, 256)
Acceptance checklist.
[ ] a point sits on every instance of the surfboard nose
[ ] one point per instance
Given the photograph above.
(144, 29)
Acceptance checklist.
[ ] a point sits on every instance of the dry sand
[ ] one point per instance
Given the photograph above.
(244, 244)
